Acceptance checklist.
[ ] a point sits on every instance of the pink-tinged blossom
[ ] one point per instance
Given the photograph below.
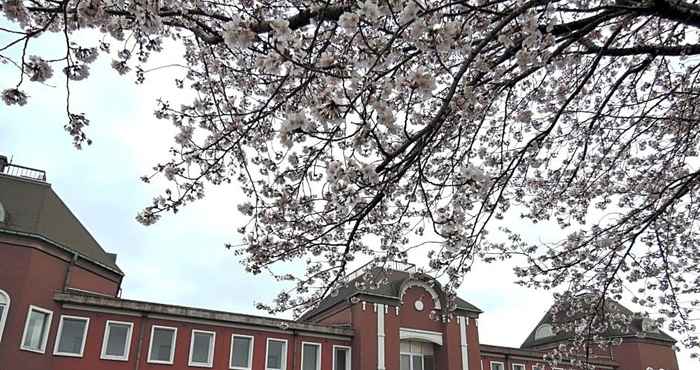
(14, 97)
(280, 29)
(15, 10)
(90, 11)
(349, 22)
(77, 72)
(237, 36)
(39, 69)
(370, 10)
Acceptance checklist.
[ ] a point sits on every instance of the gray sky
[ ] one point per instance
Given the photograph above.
(182, 259)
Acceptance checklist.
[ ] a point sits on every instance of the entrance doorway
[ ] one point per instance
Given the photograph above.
(417, 355)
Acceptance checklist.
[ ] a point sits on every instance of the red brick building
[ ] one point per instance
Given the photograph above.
(60, 309)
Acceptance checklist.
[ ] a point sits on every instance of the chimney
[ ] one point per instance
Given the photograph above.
(3, 163)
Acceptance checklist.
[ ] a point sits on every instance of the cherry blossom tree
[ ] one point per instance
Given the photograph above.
(372, 129)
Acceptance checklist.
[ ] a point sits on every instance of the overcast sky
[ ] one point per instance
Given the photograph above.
(182, 260)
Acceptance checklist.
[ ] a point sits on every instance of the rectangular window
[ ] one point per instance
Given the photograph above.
(162, 348)
(537, 367)
(117, 340)
(428, 362)
(518, 367)
(241, 352)
(202, 348)
(70, 340)
(36, 329)
(496, 365)
(310, 356)
(4, 307)
(341, 358)
(405, 362)
(276, 354)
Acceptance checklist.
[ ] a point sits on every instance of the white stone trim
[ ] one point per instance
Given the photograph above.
(422, 335)
(463, 341)
(420, 284)
(380, 338)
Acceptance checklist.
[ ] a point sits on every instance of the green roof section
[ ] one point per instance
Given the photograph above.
(635, 329)
(32, 208)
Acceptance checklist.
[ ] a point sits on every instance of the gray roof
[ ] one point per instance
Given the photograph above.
(635, 331)
(536, 355)
(83, 300)
(390, 290)
(32, 208)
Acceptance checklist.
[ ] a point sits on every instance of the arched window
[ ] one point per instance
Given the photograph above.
(4, 308)
(544, 331)
(2, 214)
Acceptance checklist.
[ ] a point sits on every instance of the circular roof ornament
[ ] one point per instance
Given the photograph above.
(418, 305)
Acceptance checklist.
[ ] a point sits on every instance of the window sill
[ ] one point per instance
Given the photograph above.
(40, 351)
(195, 364)
(113, 358)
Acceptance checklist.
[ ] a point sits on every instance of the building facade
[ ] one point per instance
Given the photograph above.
(60, 309)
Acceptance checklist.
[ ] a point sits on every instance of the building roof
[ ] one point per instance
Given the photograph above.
(636, 330)
(535, 355)
(165, 311)
(390, 289)
(33, 209)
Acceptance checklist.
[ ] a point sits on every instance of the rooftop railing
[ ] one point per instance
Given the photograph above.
(22, 171)
(389, 265)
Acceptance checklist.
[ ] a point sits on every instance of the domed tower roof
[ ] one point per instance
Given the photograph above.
(545, 335)
(383, 283)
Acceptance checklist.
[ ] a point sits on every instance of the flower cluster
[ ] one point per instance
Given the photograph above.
(365, 129)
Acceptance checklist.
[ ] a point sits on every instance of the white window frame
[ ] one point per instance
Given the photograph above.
(561, 368)
(210, 360)
(520, 366)
(284, 357)
(538, 367)
(105, 338)
(318, 357)
(45, 339)
(250, 353)
(348, 359)
(503, 365)
(60, 331)
(172, 351)
(3, 317)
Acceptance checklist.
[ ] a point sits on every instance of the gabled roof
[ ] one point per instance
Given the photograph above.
(636, 329)
(390, 289)
(32, 208)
